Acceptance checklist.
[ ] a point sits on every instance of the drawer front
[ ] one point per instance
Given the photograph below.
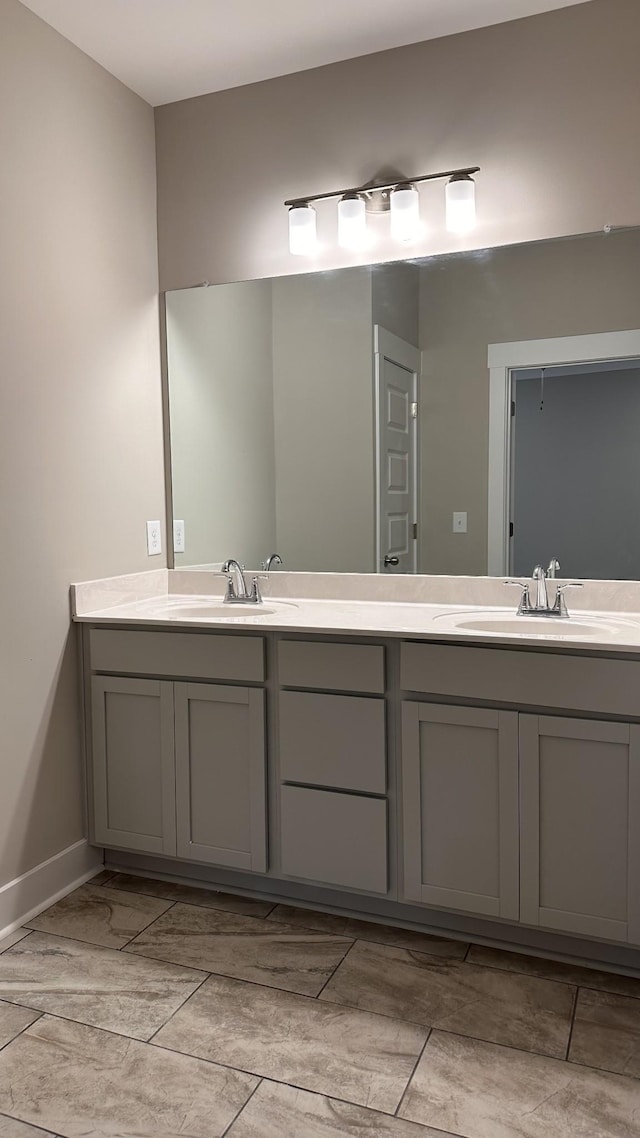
(542, 679)
(198, 656)
(338, 667)
(333, 741)
(334, 839)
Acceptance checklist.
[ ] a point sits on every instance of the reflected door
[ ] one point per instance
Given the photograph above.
(396, 369)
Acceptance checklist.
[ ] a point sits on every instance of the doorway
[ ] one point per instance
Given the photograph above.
(396, 369)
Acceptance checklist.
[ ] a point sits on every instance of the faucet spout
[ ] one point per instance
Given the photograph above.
(233, 567)
(540, 584)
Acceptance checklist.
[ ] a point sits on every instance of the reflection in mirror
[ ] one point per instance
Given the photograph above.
(343, 418)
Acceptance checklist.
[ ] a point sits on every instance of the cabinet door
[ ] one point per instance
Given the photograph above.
(133, 780)
(580, 820)
(460, 808)
(221, 775)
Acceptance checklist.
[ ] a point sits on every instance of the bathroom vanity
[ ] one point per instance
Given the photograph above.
(388, 759)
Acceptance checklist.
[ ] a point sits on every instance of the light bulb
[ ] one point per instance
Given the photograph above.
(352, 222)
(405, 212)
(460, 196)
(302, 230)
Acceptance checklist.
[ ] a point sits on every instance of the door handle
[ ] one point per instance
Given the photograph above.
(391, 560)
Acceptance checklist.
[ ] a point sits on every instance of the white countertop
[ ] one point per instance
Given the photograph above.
(584, 631)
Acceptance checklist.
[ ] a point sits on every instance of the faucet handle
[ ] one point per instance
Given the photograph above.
(522, 584)
(256, 595)
(560, 605)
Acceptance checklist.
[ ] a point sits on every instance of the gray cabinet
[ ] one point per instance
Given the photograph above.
(334, 839)
(132, 778)
(334, 741)
(221, 775)
(460, 808)
(580, 826)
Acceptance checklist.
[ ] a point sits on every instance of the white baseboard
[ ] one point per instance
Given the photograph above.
(27, 895)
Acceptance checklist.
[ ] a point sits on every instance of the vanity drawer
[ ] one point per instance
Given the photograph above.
(341, 667)
(334, 839)
(333, 741)
(198, 656)
(542, 679)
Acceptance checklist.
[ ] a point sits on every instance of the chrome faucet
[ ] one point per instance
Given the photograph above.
(237, 592)
(540, 606)
(274, 559)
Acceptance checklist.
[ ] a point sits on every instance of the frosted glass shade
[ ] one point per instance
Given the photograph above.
(460, 195)
(405, 213)
(303, 236)
(352, 222)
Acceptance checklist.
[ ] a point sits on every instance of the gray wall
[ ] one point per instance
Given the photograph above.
(563, 288)
(395, 293)
(577, 475)
(546, 105)
(221, 408)
(80, 421)
(323, 411)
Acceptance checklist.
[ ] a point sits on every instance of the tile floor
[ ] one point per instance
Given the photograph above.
(138, 1007)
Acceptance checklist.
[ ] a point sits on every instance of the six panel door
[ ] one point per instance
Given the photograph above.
(580, 826)
(133, 786)
(221, 775)
(460, 808)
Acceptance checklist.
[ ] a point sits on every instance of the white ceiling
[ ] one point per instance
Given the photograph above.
(173, 49)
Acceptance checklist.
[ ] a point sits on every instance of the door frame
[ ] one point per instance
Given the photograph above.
(388, 346)
(502, 360)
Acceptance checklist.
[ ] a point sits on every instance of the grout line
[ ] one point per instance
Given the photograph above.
(38, 1016)
(415, 1067)
(334, 970)
(229, 1128)
(28, 933)
(143, 930)
(572, 1022)
(182, 1005)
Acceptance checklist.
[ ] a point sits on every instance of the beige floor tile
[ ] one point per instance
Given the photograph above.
(369, 930)
(351, 1055)
(13, 938)
(518, 1011)
(94, 985)
(606, 1033)
(101, 878)
(480, 1090)
(278, 1111)
(553, 970)
(13, 1020)
(11, 1128)
(99, 915)
(192, 895)
(75, 1080)
(296, 960)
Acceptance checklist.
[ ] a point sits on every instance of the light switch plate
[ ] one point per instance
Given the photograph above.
(178, 536)
(460, 522)
(154, 538)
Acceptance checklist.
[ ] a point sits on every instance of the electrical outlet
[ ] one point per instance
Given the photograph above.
(154, 538)
(178, 536)
(460, 522)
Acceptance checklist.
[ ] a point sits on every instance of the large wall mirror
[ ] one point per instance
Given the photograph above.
(462, 414)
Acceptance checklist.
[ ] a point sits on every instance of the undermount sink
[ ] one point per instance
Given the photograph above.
(510, 624)
(209, 610)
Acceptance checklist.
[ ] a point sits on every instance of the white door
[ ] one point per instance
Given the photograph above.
(397, 366)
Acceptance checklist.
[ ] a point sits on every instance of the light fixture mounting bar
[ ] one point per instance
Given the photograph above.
(465, 172)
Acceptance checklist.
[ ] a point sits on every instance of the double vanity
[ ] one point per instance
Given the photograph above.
(438, 762)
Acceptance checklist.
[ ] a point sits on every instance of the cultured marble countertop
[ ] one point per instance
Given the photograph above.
(586, 630)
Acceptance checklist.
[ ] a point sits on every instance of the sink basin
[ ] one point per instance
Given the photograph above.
(209, 610)
(508, 624)
(533, 626)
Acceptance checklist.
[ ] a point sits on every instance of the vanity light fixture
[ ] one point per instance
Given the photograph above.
(302, 229)
(399, 198)
(405, 212)
(352, 221)
(460, 196)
